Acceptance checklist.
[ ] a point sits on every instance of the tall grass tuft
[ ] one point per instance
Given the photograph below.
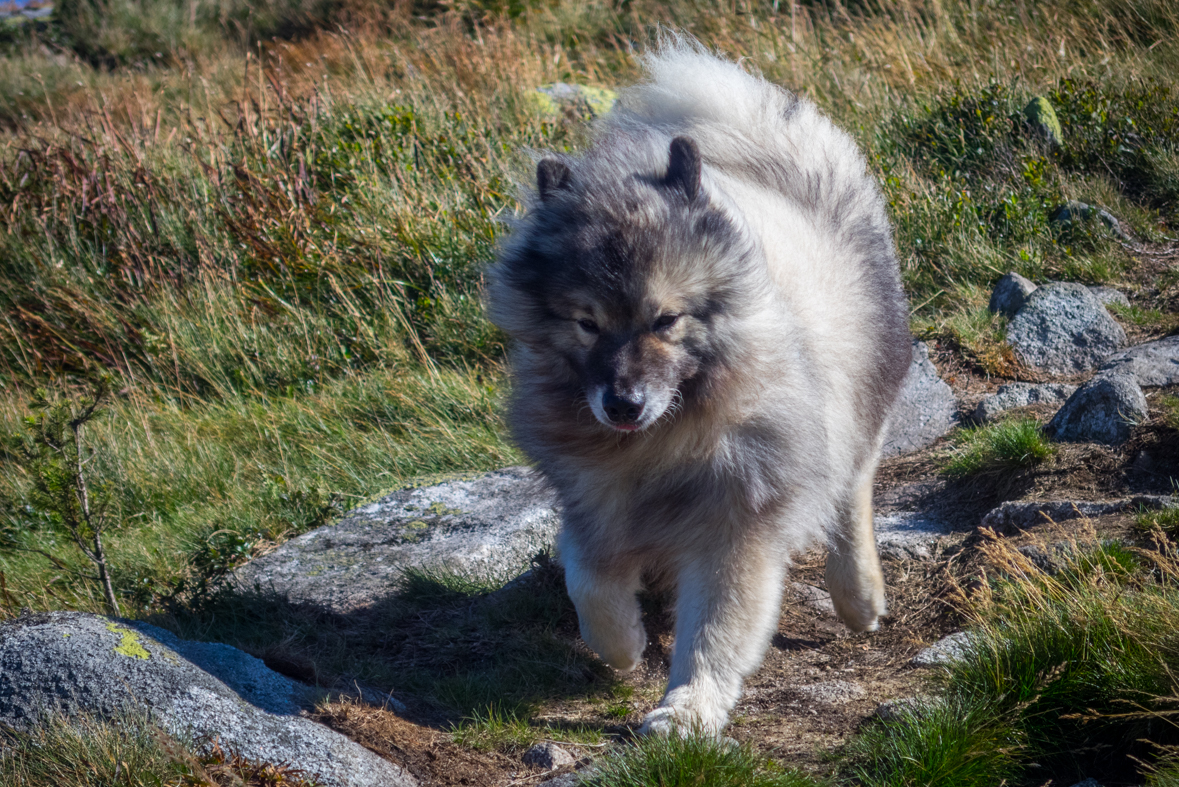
(692, 761)
(998, 447)
(1069, 676)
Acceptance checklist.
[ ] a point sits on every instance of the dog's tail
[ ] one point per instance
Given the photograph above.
(687, 86)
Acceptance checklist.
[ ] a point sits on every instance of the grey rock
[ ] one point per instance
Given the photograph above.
(1090, 782)
(548, 755)
(1075, 210)
(1014, 395)
(1041, 558)
(1103, 410)
(1109, 296)
(486, 526)
(565, 780)
(925, 410)
(73, 663)
(906, 535)
(904, 709)
(832, 692)
(1023, 514)
(383, 700)
(1151, 364)
(816, 599)
(1063, 329)
(1009, 294)
(946, 650)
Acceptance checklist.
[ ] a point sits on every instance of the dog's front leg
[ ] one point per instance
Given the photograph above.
(608, 610)
(727, 610)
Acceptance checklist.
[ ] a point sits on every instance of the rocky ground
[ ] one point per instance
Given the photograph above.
(1100, 388)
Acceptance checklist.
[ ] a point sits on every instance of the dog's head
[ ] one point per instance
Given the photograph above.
(624, 279)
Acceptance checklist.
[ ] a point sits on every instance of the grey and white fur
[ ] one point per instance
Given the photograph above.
(709, 332)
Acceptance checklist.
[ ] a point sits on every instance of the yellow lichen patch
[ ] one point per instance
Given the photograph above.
(129, 645)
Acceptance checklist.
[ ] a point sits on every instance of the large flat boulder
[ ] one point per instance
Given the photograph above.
(925, 410)
(483, 526)
(72, 663)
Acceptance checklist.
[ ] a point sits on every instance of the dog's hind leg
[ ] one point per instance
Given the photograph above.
(607, 609)
(854, 578)
(727, 610)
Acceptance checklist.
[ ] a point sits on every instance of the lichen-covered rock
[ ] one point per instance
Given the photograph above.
(1063, 329)
(1014, 395)
(1151, 364)
(71, 663)
(486, 526)
(925, 410)
(1009, 294)
(551, 98)
(1103, 410)
(1042, 117)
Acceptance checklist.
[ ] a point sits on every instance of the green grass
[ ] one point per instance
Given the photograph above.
(126, 752)
(691, 761)
(513, 731)
(1068, 677)
(1165, 519)
(998, 447)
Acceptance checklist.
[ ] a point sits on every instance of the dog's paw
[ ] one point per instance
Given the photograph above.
(683, 721)
(622, 649)
(861, 614)
(664, 722)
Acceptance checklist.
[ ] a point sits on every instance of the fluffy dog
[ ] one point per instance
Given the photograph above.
(709, 334)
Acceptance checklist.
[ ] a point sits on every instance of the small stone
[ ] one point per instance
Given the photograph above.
(904, 709)
(945, 650)
(1153, 364)
(1090, 782)
(817, 599)
(1075, 210)
(1104, 410)
(1109, 296)
(1009, 294)
(925, 410)
(1042, 116)
(548, 756)
(1040, 558)
(907, 535)
(1063, 329)
(832, 692)
(1014, 395)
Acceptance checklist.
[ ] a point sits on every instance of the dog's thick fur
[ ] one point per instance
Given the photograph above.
(709, 334)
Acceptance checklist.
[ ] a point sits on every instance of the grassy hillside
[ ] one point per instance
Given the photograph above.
(268, 222)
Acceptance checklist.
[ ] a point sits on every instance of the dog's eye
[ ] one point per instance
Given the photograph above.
(666, 321)
(589, 326)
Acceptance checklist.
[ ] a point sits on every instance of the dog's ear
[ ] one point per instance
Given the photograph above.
(683, 167)
(551, 175)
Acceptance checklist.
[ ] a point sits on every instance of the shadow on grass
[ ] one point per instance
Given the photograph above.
(451, 647)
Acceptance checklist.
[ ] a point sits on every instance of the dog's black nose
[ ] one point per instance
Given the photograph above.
(622, 411)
